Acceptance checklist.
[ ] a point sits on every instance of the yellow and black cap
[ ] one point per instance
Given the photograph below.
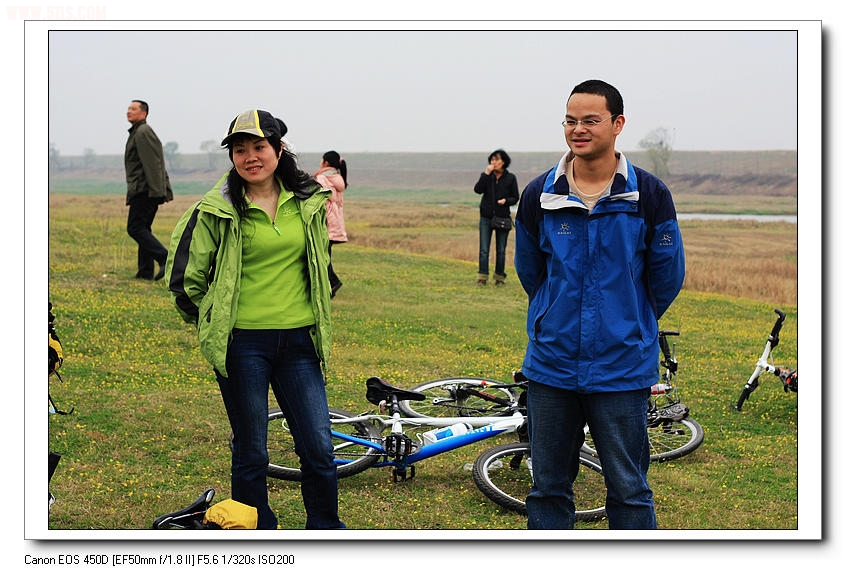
(255, 122)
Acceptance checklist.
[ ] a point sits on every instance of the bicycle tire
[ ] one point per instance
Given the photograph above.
(668, 440)
(503, 474)
(450, 407)
(352, 458)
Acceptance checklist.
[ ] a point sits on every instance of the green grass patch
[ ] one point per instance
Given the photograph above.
(149, 432)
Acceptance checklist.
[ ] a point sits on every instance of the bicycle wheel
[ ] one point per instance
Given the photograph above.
(351, 458)
(671, 440)
(460, 397)
(667, 440)
(504, 474)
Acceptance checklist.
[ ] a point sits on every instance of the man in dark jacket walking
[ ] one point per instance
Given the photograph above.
(147, 186)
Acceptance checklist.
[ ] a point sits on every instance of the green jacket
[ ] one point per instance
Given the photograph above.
(203, 270)
(144, 163)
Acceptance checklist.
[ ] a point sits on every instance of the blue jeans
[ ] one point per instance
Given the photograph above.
(285, 360)
(556, 433)
(485, 235)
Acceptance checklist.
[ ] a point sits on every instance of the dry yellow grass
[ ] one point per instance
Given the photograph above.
(745, 259)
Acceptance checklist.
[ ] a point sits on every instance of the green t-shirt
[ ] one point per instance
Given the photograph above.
(274, 272)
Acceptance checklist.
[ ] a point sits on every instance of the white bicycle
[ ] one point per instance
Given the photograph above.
(765, 365)
(381, 439)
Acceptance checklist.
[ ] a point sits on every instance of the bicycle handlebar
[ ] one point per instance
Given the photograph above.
(776, 327)
(669, 361)
(744, 394)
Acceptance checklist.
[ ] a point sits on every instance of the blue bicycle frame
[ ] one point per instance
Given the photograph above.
(496, 427)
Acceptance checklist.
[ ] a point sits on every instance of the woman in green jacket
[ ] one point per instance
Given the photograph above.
(248, 265)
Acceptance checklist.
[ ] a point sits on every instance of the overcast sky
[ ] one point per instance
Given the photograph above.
(421, 90)
(426, 91)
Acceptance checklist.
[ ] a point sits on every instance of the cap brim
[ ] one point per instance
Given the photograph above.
(253, 132)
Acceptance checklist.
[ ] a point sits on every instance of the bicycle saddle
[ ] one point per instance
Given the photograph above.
(189, 517)
(378, 391)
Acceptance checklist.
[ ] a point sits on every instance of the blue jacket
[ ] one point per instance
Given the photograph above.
(597, 282)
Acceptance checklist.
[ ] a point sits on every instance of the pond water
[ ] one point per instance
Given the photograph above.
(729, 216)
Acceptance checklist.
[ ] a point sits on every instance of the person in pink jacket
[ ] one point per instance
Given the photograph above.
(333, 176)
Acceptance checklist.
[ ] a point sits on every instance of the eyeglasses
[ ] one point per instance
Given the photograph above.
(586, 123)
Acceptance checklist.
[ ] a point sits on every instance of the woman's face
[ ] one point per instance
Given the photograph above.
(496, 162)
(255, 160)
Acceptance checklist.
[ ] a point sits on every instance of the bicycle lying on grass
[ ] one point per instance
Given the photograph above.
(381, 440)
(672, 433)
(789, 377)
(202, 515)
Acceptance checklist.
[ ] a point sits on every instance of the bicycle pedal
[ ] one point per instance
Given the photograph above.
(403, 474)
(398, 446)
(674, 412)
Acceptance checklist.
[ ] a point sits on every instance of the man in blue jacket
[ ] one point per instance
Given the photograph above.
(599, 253)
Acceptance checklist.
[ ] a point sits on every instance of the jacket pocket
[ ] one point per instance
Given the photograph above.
(538, 308)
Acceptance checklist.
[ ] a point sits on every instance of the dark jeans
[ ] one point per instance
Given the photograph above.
(286, 360)
(556, 432)
(139, 224)
(485, 235)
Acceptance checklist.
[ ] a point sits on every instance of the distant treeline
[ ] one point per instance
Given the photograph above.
(524, 164)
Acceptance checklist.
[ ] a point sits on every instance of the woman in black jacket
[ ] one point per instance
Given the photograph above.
(498, 188)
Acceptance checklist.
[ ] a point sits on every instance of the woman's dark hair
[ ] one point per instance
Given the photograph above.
(334, 159)
(293, 178)
(506, 159)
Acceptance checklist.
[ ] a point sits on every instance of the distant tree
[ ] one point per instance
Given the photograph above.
(210, 147)
(659, 147)
(54, 163)
(88, 157)
(171, 154)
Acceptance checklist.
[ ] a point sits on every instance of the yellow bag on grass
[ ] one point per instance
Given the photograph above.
(232, 515)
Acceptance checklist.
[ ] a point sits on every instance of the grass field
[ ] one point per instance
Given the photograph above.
(149, 432)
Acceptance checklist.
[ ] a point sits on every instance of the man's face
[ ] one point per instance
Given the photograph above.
(591, 142)
(135, 113)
